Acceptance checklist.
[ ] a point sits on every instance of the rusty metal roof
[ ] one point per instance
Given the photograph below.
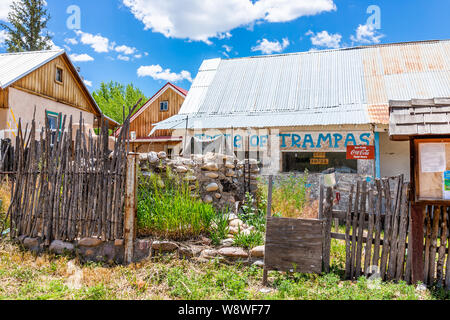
(419, 117)
(319, 83)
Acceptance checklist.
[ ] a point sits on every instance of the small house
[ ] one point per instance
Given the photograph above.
(161, 106)
(43, 84)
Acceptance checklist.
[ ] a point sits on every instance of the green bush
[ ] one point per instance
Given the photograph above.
(249, 241)
(219, 229)
(167, 209)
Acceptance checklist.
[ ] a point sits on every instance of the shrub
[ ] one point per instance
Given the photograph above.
(219, 229)
(166, 208)
(249, 241)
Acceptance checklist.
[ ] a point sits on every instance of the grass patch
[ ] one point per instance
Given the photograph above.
(27, 277)
(167, 208)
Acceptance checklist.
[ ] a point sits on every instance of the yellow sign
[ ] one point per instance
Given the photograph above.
(322, 161)
(319, 155)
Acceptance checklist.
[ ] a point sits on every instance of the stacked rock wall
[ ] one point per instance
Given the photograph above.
(220, 178)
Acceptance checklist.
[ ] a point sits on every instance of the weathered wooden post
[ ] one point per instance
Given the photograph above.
(269, 214)
(417, 236)
(130, 207)
(327, 217)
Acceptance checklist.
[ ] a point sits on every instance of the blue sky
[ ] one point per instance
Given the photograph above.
(150, 42)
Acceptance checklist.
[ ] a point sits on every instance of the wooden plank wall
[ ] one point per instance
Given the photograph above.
(42, 82)
(142, 125)
(4, 98)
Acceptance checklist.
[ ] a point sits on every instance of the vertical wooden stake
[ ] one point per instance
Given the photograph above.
(130, 207)
(327, 213)
(416, 243)
(269, 214)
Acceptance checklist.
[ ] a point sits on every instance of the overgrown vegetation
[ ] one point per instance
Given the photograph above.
(219, 227)
(5, 200)
(25, 276)
(169, 209)
(290, 197)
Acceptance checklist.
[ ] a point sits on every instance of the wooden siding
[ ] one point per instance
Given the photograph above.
(4, 98)
(142, 125)
(43, 83)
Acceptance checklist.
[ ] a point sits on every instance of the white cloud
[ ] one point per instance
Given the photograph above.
(123, 58)
(138, 56)
(227, 48)
(157, 73)
(71, 41)
(125, 49)
(324, 39)
(53, 46)
(366, 34)
(268, 47)
(200, 20)
(4, 9)
(81, 57)
(97, 42)
(87, 83)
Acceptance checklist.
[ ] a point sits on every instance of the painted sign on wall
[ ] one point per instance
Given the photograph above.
(360, 152)
(324, 141)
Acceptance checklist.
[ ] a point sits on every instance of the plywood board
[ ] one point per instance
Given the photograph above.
(294, 245)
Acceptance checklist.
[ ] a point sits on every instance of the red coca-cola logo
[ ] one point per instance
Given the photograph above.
(360, 152)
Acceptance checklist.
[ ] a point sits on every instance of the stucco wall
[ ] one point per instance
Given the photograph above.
(23, 103)
(394, 157)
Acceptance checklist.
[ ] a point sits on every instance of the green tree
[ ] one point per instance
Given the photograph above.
(26, 28)
(112, 96)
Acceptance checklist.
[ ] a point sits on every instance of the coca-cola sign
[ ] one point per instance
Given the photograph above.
(360, 152)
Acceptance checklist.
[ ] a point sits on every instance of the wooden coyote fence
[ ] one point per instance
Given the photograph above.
(377, 230)
(68, 189)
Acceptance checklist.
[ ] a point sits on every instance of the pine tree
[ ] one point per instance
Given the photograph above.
(26, 30)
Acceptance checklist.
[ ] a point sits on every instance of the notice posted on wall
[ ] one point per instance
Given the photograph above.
(432, 157)
(446, 185)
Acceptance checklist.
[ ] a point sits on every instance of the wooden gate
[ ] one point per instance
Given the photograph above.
(298, 245)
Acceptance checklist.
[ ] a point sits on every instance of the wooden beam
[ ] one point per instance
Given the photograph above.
(417, 266)
(130, 207)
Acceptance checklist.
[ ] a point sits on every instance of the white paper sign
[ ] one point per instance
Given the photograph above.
(432, 157)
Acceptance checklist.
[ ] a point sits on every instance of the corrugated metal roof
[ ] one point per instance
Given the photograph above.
(14, 66)
(361, 79)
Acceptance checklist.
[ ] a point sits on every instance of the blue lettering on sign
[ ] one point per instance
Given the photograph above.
(365, 138)
(308, 139)
(264, 140)
(350, 138)
(252, 141)
(337, 138)
(283, 139)
(324, 139)
(237, 138)
(296, 140)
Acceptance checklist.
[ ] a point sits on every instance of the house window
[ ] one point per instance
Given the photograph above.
(164, 105)
(53, 124)
(59, 75)
(318, 162)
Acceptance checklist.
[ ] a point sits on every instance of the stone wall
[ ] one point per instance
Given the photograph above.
(220, 178)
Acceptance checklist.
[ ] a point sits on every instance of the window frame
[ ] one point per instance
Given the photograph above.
(160, 105)
(62, 75)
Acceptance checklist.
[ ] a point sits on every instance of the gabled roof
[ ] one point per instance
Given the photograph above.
(342, 86)
(14, 66)
(149, 102)
(168, 85)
